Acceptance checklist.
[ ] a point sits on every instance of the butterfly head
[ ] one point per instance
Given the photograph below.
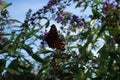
(53, 27)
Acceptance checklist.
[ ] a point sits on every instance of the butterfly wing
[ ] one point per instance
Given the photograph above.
(59, 44)
(53, 40)
(51, 36)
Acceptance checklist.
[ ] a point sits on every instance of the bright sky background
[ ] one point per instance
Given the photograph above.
(19, 8)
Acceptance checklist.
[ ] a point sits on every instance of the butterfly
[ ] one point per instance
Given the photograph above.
(53, 40)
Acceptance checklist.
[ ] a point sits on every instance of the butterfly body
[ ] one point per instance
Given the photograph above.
(53, 40)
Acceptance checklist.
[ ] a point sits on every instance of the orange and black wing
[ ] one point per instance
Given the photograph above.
(53, 40)
(51, 36)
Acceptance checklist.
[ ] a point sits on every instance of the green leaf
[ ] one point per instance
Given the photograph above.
(30, 52)
(12, 36)
(15, 20)
(14, 64)
(78, 4)
(15, 44)
(42, 69)
(86, 5)
(2, 65)
(47, 24)
(27, 48)
(95, 1)
(46, 51)
(32, 32)
(2, 61)
(98, 1)
(102, 29)
(34, 56)
(5, 5)
(26, 68)
(114, 31)
(13, 71)
(4, 34)
(95, 12)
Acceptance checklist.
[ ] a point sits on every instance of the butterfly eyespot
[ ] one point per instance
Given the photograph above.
(62, 46)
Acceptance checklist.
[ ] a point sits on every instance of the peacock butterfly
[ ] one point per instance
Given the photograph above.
(53, 40)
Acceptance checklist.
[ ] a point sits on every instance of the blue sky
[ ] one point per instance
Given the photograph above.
(19, 8)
